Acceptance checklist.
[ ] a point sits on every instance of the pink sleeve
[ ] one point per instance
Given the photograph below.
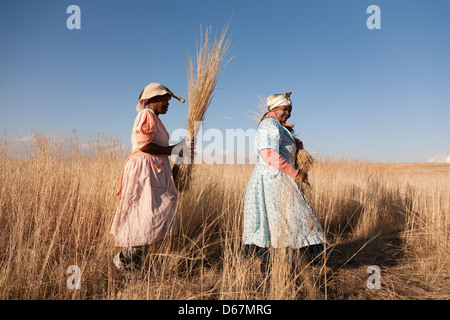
(146, 128)
(274, 159)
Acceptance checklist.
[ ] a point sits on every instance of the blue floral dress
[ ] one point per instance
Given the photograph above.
(276, 213)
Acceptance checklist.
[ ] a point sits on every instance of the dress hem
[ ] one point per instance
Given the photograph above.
(143, 243)
(285, 246)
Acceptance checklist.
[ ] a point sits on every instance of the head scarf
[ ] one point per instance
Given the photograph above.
(276, 100)
(153, 90)
(141, 105)
(279, 99)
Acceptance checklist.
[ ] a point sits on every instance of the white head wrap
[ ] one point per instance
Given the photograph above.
(279, 99)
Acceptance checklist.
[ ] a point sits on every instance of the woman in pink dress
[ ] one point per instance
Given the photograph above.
(148, 196)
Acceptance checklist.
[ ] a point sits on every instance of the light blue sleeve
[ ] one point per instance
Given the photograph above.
(268, 135)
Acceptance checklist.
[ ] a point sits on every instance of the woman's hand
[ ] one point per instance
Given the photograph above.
(179, 148)
(302, 176)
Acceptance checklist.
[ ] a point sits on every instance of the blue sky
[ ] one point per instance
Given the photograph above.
(379, 95)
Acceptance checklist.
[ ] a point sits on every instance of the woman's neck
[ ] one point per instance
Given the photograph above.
(154, 112)
(273, 115)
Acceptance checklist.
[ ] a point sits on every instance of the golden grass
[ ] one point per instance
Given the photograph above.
(202, 83)
(57, 206)
(204, 76)
(303, 160)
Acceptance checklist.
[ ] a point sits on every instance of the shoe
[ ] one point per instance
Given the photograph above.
(129, 270)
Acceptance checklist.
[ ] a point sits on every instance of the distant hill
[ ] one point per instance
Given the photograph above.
(443, 157)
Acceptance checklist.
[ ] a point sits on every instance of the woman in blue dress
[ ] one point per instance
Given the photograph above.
(276, 212)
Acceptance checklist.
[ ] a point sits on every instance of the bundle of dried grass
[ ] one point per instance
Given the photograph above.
(202, 82)
(303, 160)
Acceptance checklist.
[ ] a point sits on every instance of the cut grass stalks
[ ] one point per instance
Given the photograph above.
(202, 83)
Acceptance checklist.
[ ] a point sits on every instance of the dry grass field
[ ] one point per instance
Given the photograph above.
(57, 204)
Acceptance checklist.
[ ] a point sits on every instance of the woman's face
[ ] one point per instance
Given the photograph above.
(160, 104)
(283, 113)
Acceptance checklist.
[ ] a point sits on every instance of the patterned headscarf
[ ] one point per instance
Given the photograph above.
(279, 99)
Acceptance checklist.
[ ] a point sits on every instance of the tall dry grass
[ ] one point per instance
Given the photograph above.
(57, 204)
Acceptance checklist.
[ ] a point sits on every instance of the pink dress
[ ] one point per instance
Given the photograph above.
(148, 196)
